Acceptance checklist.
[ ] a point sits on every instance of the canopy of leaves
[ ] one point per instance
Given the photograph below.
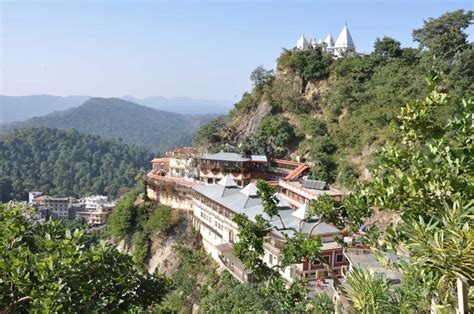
(65, 163)
(273, 139)
(139, 220)
(445, 36)
(260, 76)
(427, 177)
(46, 267)
(387, 47)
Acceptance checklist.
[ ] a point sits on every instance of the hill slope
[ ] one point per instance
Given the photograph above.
(117, 118)
(65, 163)
(335, 113)
(20, 108)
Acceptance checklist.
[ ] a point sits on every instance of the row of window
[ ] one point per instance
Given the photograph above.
(206, 217)
(339, 259)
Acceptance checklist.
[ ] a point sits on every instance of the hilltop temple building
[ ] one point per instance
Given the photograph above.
(343, 46)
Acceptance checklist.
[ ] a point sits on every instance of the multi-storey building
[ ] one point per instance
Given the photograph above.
(54, 207)
(94, 209)
(242, 169)
(301, 192)
(181, 163)
(161, 166)
(213, 210)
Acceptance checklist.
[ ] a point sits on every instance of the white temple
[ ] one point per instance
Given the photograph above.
(344, 45)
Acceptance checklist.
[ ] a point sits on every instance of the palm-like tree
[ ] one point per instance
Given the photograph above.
(444, 245)
(368, 292)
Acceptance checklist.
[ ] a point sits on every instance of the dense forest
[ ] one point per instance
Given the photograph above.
(116, 118)
(66, 163)
(336, 112)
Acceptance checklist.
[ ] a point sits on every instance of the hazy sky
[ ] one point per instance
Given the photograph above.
(201, 49)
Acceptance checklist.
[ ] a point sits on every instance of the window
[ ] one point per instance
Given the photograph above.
(327, 259)
(270, 259)
(339, 258)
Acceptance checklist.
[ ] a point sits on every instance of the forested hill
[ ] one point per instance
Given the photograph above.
(65, 163)
(336, 112)
(116, 118)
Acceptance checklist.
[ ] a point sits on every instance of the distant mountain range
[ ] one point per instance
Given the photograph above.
(116, 118)
(184, 105)
(20, 108)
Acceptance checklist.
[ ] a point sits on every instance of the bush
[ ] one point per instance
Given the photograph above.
(160, 220)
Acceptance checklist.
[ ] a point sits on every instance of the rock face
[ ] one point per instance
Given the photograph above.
(163, 253)
(247, 124)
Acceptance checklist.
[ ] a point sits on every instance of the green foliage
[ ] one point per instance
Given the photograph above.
(210, 133)
(139, 221)
(228, 295)
(387, 47)
(274, 138)
(123, 220)
(357, 98)
(249, 249)
(310, 65)
(427, 178)
(429, 165)
(115, 118)
(367, 292)
(46, 267)
(141, 247)
(187, 280)
(311, 126)
(260, 76)
(65, 163)
(445, 36)
(160, 220)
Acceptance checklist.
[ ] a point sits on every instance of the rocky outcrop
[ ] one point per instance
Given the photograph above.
(244, 125)
(164, 256)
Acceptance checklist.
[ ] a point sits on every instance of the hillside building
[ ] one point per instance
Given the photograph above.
(94, 210)
(213, 210)
(181, 163)
(242, 169)
(342, 47)
(54, 207)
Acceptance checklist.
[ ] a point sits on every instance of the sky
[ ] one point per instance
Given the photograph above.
(198, 49)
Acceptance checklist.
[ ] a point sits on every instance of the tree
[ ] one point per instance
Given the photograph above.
(210, 133)
(387, 47)
(47, 267)
(297, 247)
(445, 36)
(310, 65)
(367, 292)
(260, 76)
(426, 177)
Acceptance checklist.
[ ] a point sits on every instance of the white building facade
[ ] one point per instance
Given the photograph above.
(343, 46)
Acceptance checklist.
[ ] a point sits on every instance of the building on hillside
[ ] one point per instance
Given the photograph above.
(94, 209)
(32, 195)
(213, 211)
(181, 163)
(242, 169)
(54, 207)
(342, 47)
(298, 193)
(286, 170)
(161, 166)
